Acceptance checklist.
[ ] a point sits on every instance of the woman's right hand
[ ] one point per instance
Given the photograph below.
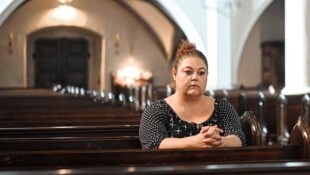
(211, 136)
(208, 137)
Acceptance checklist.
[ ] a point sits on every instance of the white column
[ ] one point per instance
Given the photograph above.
(212, 44)
(296, 48)
(224, 43)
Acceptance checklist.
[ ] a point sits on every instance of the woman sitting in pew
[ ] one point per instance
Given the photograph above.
(188, 118)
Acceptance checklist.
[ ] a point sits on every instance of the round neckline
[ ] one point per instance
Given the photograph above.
(192, 123)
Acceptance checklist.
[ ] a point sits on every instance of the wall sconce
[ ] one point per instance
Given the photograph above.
(10, 42)
(64, 12)
(117, 39)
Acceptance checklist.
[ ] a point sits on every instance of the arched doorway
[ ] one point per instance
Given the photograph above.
(67, 55)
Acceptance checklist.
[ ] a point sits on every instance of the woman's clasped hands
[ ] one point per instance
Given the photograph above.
(210, 136)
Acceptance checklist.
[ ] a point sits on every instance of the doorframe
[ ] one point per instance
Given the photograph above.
(96, 61)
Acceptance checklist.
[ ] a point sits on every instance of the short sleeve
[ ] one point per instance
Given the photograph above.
(152, 128)
(231, 121)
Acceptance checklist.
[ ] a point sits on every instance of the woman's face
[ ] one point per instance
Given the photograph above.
(191, 77)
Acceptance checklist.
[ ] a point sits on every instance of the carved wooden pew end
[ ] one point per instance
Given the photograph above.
(251, 129)
(300, 136)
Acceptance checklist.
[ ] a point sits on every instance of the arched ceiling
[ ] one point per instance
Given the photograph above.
(150, 13)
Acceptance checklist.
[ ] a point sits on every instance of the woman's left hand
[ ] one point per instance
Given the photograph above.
(212, 136)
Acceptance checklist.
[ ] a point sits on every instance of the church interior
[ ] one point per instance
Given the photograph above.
(77, 75)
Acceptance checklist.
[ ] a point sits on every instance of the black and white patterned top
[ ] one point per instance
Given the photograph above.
(160, 121)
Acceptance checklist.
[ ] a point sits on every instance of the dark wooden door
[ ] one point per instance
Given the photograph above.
(273, 68)
(61, 61)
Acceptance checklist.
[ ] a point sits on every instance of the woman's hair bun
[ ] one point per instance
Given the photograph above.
(185, 48)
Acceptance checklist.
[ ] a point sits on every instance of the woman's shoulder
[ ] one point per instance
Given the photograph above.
(222, 103)
(157, 105)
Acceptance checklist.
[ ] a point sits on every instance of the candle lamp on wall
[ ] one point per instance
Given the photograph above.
(117, 39)
(117, 42)
(10, 42)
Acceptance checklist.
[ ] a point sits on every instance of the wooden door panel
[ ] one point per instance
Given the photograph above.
(76, 67)
(61, 61)
(46, 63)
(76, 63)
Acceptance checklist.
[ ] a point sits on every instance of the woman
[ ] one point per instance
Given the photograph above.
(188, 118)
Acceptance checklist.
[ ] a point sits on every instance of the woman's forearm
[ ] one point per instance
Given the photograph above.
(231, 141)
(177, 143)
(197, 142)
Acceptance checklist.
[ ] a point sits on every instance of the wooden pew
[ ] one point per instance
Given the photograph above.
(50, 120)
(60, 155)
(60, 104)
(134, 157)
(70, 131)
(155, 157)
(33, 100)
(294, 109)
(240, 168)
(70, 143)
(53, 113)
(110, 127)
(95, 138)
(251, 128)
(274, 156)
(300, 135)
(43, 108)
(266, 110)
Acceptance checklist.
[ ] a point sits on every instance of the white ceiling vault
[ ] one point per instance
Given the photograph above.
(151, 13)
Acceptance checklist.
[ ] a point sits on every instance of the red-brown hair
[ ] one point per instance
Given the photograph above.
(187, 49)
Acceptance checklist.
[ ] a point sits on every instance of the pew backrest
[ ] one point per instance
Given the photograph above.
(70, 131)
(240, 168)
(150, 157)
(251, 128)
(300, 135)
(69, 143)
